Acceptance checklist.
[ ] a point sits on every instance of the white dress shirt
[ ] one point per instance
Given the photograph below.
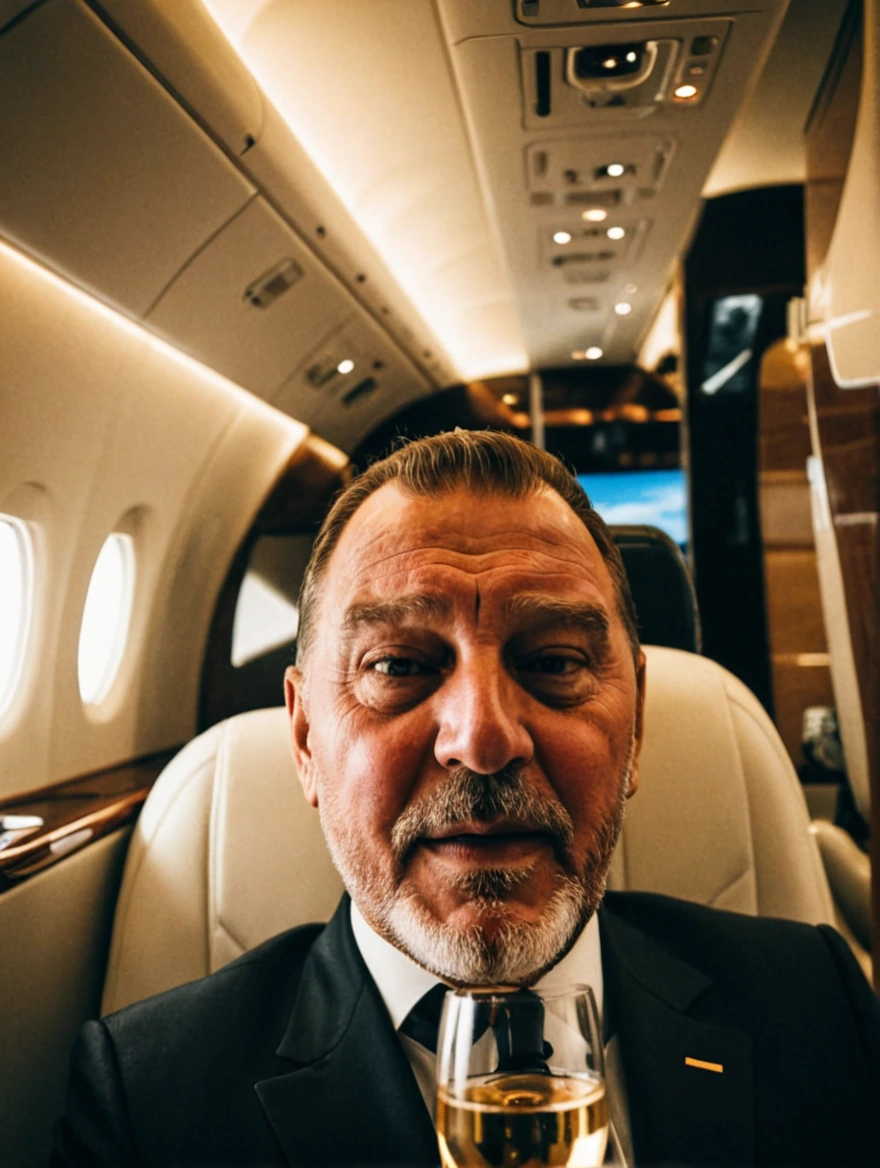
(401, 983)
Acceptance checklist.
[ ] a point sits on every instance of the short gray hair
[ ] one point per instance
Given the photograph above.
(483, 462)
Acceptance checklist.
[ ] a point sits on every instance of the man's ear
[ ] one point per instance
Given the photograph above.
(294, 688)
(639, 725)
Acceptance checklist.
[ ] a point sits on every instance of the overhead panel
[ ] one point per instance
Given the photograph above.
(463, 19)
(368, 91)
(198, 61)
(349, 382)
(259, 307)
(201, 64)
(594, 130)
(114, 185)
(765, 146)
(252, 301)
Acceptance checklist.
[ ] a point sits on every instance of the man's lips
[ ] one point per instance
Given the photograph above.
(477, 828)
(487, 842)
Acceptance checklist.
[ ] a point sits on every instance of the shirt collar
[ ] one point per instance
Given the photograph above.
(401, 982)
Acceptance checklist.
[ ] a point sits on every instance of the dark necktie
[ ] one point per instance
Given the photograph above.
(422, 1023)
(518, 1034)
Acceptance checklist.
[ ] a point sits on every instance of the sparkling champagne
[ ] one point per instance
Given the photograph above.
(523, 1121)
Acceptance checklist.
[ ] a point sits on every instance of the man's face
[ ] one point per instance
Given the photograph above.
(468, 725)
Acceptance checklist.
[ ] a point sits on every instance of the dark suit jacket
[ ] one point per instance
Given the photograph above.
(288, 1055)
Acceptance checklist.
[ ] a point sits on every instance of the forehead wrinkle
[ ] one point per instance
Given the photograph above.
(535, 561)
(567, 546)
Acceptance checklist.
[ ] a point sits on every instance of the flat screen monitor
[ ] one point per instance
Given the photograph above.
(658, 497)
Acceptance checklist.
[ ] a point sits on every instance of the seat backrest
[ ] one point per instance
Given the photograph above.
(227, 852)
(661, 585)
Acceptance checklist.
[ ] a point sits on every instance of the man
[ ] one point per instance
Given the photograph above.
(466, 716)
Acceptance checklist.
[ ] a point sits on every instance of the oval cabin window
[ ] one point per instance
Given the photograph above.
(106, 618)
(16, 599)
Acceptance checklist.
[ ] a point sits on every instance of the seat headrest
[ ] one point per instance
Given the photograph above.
(662, 589)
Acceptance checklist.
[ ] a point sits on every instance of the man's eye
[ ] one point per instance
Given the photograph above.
(553, 665)
(399, 667)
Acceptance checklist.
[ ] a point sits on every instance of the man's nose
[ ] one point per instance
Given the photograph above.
(480, 724)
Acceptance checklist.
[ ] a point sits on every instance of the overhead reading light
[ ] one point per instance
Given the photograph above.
(345, 366)
(615, 233)
(593, 353)
(615, 169)
(609, 68)
(561, 237)
(623, 308)
(594, 215)
(686, 92)
(510, 399)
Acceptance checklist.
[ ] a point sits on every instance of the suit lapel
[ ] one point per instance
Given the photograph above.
(353, 1098)
(680, 1113)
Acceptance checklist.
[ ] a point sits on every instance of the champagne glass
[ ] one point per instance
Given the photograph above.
(520, 1079)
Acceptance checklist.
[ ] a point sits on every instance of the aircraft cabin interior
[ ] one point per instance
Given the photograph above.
(245, 245)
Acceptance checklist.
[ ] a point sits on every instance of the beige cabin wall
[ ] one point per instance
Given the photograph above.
(105, 427)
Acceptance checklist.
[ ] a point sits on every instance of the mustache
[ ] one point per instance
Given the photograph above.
(468, 797)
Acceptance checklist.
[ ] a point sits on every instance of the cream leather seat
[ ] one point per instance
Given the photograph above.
(227, 852)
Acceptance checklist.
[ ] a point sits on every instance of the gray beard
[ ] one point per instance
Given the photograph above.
(519, 952)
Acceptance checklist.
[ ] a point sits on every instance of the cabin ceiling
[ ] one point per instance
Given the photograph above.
(423, 116)
(284, 188)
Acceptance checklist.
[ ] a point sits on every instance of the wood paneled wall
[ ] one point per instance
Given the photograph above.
(798, 649)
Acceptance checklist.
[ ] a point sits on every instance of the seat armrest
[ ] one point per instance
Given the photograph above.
(849, 874)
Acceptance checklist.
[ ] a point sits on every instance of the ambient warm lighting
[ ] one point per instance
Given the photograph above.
(164, 348)
(593, 353)
(686, 92)
(623, 308)
(510, 399)
(594, 215)
(345, 366)
(615, 169)
(561, 237)
(615, 233)
(385, 174)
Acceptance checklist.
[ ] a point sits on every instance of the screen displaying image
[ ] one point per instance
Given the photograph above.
(734, 326)
(658, 497)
